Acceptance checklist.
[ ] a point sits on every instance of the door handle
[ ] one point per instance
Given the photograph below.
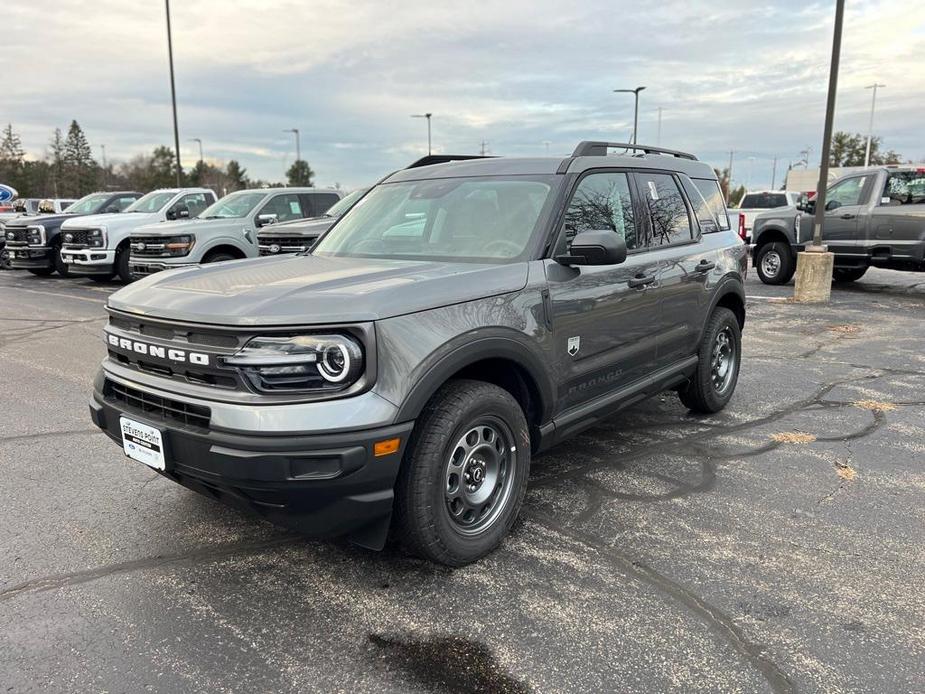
(847, 216)
(641, 280)
(705, 266)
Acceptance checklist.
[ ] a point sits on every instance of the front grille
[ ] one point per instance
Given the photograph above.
(76, 237)
(157, 407)
(20, 235)
(151, 246)
(286, 244)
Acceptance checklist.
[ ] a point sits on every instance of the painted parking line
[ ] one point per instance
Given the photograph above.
(65, 296)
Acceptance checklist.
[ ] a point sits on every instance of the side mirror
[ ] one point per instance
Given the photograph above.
(595, 248)
(265, 219)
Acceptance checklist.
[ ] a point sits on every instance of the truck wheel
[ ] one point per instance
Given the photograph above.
(60, 266)
(218, 257)
(720, 355)
(774, 263)
(848, 274)
(123, 270)
(464, 475)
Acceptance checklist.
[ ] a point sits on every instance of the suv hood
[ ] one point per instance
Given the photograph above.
(306, 290)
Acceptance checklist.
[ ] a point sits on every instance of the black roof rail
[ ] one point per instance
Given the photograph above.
(589, 148)
(431, 159)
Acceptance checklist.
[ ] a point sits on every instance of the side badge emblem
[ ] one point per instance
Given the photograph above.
(574, 344)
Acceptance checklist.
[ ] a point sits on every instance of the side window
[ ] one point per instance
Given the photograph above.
(286, 207)
(667, 211)
(713, 196)
(905, 188)
(121, 203)
(848, 192)
(705, 216)
(602, 201)
(194, 202)
(318, 203)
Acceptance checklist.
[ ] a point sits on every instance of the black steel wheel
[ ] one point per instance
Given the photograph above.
(464, 475)
(719, 359)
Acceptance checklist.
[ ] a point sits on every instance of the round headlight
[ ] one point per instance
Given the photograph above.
(335, 363)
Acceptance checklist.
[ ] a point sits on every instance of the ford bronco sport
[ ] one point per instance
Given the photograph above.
(458, 320)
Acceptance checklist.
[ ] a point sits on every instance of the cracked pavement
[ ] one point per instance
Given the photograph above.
(777, 546)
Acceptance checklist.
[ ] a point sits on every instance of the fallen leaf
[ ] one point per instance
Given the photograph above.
(875, 405)
(845, 471)
(844, 329)
(793, 437)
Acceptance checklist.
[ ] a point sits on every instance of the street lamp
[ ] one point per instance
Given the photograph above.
(427, 116)
(298, 146)
(635, 110)
(870, 128)
(173, 95)
(196, 139)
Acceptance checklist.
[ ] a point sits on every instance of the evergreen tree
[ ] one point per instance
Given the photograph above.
(237, 176)
(300, 173)
(162, 171)
(56, 147)
(80, 171)
(12, 160)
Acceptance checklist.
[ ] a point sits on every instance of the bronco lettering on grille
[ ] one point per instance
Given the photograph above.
(179, 355)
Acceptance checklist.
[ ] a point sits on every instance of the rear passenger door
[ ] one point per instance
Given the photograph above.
(683, 267)
(604, 318)
(843, 203)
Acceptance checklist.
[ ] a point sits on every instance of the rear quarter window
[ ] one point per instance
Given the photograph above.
(713, 196)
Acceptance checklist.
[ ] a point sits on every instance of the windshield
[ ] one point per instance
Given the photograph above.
(484, 219)
(763, 201)
(88, 204)
(152, 202)
(345, 203)
(234, 206)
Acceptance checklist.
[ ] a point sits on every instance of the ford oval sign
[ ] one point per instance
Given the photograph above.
(7, 193)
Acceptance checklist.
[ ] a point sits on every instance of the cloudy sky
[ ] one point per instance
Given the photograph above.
(729, 74)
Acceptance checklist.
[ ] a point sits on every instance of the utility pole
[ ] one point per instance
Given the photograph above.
(870, 128)
(774, 173)
(815, 263)
(658, 137)
(635, 109)
(427, 116)
(298, 145)
(173, 96)
(483, 149)
(547, 143)
(196, 139)
(729, 185)
(105, 171)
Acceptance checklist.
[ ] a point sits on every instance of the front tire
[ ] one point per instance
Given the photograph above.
(848, 274)
(60, 266)
(720, 357)
(219, 257)
(123, 269)
(464, 475)
(774, 263)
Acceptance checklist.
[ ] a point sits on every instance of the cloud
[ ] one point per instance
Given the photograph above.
(729, 75)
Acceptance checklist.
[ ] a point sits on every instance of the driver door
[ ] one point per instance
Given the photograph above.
(843, 203)
(604, 318)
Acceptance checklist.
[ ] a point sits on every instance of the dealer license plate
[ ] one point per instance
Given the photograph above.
(143, 443)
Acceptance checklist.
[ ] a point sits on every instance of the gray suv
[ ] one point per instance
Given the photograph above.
(226, 230)
(463, 318)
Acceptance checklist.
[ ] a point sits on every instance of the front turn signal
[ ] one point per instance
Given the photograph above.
(387, 447)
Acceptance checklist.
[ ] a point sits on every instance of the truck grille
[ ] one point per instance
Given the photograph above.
(157, 407)
(151, 246)
(272, 245)
(20, 235)
(76, 237)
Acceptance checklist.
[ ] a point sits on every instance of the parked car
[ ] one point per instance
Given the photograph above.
(759, 201)
(35, 243)
(98, 246)
(299, 235)
(873, 218)
(225, 231)
(464, 317)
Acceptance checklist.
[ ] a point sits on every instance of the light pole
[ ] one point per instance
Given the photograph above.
(105, 171)
(870, 128)
(635, 110)
(427, 116)
(298, 146)
(196, 139)
(173, 95)
(658, 137)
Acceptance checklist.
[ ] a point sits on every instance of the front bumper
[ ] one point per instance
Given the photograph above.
(149, 267)
(317, 483)
(30, 257)
(89, 261)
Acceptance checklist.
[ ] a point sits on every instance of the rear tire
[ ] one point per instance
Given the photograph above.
(774, 263)
(123, 269)
(848, 274)
(720, 357)
(464, 474)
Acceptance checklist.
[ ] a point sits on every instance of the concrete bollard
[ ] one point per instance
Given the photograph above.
(814, 276)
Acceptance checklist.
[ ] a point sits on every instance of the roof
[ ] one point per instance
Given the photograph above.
(290, 189)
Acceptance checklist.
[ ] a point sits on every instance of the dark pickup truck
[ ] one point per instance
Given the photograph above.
(873, 218)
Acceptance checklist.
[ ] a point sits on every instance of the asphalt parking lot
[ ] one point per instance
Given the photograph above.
(778, 546)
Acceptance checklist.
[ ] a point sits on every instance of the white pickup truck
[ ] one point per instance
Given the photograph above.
(756, 202)
(98, 246)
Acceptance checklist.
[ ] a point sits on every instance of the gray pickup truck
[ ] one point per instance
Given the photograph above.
(873, 218)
